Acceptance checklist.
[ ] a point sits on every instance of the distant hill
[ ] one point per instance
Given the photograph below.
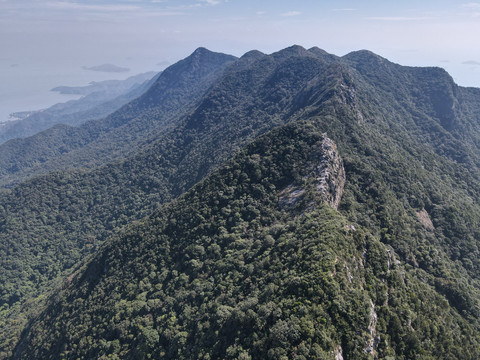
(106, 68)
(106, 85)
(100, 99)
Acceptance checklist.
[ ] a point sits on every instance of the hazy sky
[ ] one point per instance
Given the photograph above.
(140, 34)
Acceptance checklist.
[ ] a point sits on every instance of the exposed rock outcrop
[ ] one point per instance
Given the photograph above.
(326, 174)
(424, 218)
(337, 353)
(372, 340)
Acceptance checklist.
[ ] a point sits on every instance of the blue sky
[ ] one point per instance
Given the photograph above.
(140, 34)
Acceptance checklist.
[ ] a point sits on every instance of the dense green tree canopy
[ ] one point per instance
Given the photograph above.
(403, 244)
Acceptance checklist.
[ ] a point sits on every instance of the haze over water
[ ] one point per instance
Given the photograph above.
(26, 86)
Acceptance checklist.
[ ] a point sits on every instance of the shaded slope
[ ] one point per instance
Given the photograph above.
(226, 271)
(421, 158)
(426, 102)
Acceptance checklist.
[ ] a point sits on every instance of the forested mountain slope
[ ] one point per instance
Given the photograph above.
(52, 221)
(426, 103)
(251, 263)
(408, 139)
(96, 142)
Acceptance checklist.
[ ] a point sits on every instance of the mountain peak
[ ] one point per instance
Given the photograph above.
(365, 56)
(296, 47)
(249, 58)
(253, 54)
(203, 54)
(294, 50)
(201, 51)
(322, 54)
(316, 50)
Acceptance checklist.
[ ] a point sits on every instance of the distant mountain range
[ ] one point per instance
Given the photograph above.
(99, 100)
(106, 68)
(292, 205)
(117, 87)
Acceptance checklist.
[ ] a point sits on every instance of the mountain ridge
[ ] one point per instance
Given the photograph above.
(400, 158)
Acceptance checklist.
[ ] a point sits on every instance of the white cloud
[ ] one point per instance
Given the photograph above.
(77, 6)
(211, 2)
(345, 9)
(471, 62)
(104, 11)
(292, 13)
(473, 9)
(475, 6)
(397, 18)
(150, 14)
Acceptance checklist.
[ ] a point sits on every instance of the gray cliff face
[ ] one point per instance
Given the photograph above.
(330, 173)
(372, 340)
(325, 179)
